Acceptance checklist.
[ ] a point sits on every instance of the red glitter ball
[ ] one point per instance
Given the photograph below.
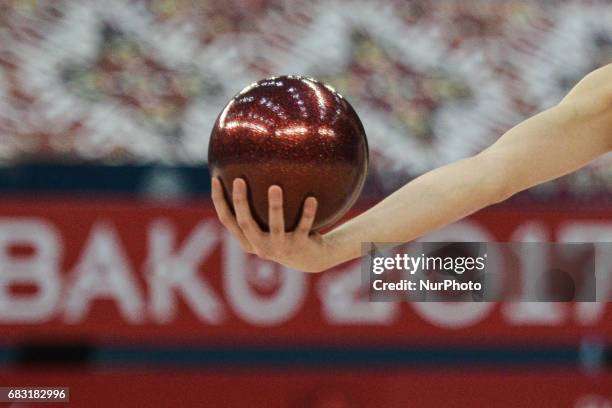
(297, 133)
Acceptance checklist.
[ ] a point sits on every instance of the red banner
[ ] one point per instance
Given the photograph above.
(330, 388)
(126, 271)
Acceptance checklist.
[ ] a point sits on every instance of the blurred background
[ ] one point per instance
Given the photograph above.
(117, 281)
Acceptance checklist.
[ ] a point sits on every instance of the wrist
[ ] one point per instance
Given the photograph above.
(339, 248)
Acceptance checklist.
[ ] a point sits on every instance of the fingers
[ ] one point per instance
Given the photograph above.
(246, 230)
(308, 216)
(225, 214)
(276, 218)
(245, 220)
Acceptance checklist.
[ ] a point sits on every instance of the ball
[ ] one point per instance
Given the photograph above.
(299, 134)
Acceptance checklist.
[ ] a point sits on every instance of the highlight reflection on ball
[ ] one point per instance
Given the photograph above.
(299, 134)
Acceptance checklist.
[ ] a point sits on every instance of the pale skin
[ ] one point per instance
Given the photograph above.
(546, 146)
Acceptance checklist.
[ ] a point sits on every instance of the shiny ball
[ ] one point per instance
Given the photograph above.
(297, 133)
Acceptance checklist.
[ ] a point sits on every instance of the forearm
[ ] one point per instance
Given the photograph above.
(430, 201)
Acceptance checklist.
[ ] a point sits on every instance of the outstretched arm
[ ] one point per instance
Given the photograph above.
(546, 146)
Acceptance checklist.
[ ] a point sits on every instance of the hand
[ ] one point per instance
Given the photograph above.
(300, 249)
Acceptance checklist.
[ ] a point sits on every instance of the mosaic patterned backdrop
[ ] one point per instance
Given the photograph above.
(123, 82)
